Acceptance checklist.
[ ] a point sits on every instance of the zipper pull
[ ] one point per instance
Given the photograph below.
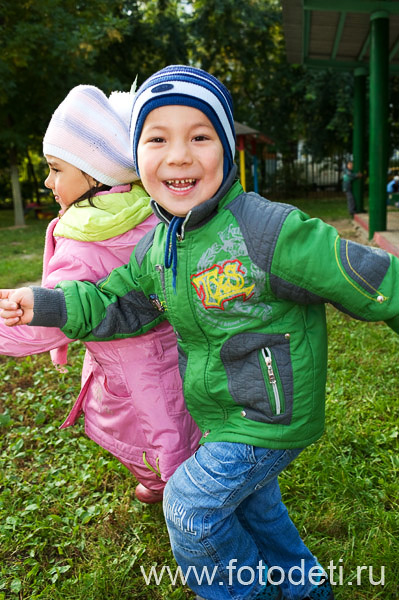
(269, 365)
(270, 371)
(267, 355)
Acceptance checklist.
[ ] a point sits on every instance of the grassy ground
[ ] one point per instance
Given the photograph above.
(21, 250)
(70, 528)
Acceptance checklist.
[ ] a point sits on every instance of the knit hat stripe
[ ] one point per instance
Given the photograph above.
(87, 131)
(76, 129)
(188, 91)
(86, 109)
(192, 73)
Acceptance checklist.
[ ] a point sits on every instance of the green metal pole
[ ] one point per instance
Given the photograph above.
(359, 136)
(378, 149)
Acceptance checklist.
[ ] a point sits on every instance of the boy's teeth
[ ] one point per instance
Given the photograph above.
(177, 181)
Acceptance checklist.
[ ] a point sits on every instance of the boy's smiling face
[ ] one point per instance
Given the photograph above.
(180, 158)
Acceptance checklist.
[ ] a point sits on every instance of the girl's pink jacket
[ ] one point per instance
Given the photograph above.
(131, 393)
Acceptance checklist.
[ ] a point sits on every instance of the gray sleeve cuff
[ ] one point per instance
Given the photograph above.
(49, 308)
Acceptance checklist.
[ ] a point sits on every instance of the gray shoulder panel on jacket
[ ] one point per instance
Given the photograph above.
(144, 245)
(367, 266)
(260, 221)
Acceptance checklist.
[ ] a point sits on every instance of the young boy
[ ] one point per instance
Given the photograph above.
(244, 282)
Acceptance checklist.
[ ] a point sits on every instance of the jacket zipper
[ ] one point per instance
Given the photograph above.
(161, 271)
(267, 356)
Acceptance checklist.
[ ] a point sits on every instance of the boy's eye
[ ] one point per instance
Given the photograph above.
(157, 140)
(200, 138)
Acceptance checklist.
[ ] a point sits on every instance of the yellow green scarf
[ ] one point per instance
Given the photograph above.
(114, 214)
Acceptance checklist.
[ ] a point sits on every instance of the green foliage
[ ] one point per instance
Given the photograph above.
(243, 44)
(47, 47)
(108, 42)
(393, 115)
(326, 113)
(154, 35)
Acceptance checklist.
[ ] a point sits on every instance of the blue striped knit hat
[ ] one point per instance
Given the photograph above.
(186, 86)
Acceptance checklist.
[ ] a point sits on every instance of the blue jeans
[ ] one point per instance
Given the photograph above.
(227, 523)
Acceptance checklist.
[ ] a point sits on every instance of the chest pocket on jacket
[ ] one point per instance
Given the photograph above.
(260, 377)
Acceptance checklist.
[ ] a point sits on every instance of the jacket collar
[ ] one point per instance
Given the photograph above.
(201, 213)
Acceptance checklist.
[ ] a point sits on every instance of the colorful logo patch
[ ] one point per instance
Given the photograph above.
(221, 283)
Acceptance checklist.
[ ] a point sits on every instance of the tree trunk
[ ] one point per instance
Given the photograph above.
(19, 220)
(31, 170)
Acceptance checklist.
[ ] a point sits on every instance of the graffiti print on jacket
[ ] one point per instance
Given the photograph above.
(221, 283)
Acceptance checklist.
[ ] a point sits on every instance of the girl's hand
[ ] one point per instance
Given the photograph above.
(16, 306)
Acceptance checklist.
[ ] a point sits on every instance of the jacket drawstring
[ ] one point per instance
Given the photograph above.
(171, 246)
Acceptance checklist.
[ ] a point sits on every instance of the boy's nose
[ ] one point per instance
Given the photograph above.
(179, 153)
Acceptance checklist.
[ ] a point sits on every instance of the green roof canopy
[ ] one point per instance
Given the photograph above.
(336, 33)
(361, 36)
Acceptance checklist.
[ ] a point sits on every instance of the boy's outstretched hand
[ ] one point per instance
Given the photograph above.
(16, 306)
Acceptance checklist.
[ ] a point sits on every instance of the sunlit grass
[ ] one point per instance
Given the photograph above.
(69, 524)
(21, 250)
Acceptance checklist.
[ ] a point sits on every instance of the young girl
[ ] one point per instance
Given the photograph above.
(131, 391)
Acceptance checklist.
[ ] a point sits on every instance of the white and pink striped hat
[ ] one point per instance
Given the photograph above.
(91, 132)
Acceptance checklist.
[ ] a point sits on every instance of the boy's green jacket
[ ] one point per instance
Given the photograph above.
(253, 277)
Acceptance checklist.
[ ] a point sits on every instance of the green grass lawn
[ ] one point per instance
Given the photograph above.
(21, 250)
(71, 529)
